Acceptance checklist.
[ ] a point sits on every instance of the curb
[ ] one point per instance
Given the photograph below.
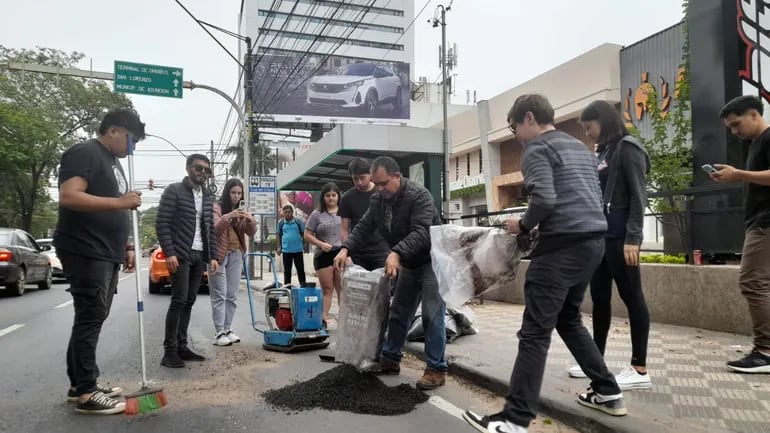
(565, 409)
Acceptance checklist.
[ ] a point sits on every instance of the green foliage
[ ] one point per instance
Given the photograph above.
(147, 222)
(40, 116)
(468, 190)
(678, 259)
(262, 159)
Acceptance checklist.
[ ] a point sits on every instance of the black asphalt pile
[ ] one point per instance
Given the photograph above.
(343, 388)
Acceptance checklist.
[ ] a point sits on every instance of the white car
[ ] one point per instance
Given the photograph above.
(57, 270)
(362, 86)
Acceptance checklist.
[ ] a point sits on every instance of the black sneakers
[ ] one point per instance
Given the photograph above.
(188, 355)
(172, 360)
(754, 362)
(492, 424)
(100, 404)
(612, 405)
(114, 391)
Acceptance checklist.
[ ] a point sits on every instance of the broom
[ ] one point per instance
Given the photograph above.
(146, 399)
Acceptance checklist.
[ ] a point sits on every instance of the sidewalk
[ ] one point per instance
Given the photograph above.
(692, 390)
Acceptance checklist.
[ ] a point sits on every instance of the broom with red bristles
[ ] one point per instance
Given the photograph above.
(146, 399)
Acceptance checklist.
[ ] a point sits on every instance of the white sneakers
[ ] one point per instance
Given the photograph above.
(627, 379)
(576, 372)
(225, 338)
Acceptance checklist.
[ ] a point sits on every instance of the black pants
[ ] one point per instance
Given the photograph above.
(184, 288)
(629, 282)
(92, 285)
(299, 262)
(553, 292)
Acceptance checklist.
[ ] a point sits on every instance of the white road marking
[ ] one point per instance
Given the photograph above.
(9, 329)
(62, 305)
(126, 277)
(446, 406)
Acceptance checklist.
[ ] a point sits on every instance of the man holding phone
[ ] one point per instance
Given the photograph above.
(743, 117)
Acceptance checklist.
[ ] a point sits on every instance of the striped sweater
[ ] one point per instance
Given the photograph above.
(561, 176)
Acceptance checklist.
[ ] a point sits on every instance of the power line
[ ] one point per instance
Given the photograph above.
(209, 33)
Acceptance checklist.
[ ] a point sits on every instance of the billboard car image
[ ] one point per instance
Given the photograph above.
(335, 90)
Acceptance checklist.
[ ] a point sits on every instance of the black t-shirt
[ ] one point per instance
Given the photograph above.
(354, 205)
(93, 235)
(757, 197)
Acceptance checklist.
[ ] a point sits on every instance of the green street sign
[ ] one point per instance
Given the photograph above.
(143, 79)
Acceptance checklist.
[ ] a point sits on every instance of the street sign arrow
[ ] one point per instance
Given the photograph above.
(176, 92)
(177, 73)
(176, 82)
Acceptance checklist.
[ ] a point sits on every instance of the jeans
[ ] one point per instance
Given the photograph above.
(629, 281)
(224, 285)
(555, 284)
(754, 281)
(411, 286)
(92, 285)
(184, 288)
(299, 263)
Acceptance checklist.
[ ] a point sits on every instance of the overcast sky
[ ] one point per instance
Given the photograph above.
(501, 43)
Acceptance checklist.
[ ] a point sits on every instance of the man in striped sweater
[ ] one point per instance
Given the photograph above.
(561, 177)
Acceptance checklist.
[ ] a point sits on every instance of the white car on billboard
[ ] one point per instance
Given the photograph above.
(361, 86)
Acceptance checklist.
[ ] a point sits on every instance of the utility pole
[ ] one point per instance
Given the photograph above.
(248, 87)
(447, 151)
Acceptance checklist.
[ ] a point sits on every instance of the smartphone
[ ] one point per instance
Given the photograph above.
(708, 168)
(242, 205)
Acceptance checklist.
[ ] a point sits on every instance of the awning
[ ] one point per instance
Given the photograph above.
(327, 160)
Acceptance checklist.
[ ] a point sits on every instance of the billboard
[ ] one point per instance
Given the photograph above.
(317, 88)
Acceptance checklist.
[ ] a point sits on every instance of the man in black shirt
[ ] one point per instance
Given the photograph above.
(91, 241)
(353, 206)
(743, 116)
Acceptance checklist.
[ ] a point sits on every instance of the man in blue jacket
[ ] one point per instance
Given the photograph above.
(291, 245)
(186, 234)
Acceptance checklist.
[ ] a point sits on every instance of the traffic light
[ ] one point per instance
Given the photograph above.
(150, 184)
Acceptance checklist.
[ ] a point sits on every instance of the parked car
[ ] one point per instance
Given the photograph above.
(362, 86)
(22, 262)
(160, 278)
(57, 270)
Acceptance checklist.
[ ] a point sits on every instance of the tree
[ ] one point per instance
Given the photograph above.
(262, 159)
(47, 114)
(671, 168)
(147, 227)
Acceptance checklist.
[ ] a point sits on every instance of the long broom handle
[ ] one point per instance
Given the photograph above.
(137, 268)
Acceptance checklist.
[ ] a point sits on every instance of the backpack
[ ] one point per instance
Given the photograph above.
(300, 229)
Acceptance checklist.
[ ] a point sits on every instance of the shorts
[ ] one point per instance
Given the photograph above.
(324, 260)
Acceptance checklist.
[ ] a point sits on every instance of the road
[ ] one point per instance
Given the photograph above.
(222, 394)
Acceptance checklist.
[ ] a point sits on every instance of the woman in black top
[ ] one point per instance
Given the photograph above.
(623, 165)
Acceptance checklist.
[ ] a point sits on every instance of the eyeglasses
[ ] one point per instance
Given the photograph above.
(512, 127)
(201, 169)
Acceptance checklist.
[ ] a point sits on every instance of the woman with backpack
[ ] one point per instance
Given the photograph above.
(623, 166)
(232, 223)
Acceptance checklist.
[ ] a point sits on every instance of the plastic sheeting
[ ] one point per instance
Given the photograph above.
(364, 302)
(471, 261)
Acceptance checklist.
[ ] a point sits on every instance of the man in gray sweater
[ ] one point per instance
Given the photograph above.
(560, 174)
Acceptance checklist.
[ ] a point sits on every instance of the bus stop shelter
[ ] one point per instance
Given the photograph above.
(418, 151)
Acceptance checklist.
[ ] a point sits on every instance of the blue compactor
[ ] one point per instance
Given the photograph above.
(293, 315)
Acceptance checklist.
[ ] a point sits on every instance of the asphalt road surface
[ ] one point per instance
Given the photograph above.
(222, 394)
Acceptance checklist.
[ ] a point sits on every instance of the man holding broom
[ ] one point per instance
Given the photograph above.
(91, 241)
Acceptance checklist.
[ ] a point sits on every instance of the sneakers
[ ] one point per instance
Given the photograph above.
(609, 404)
(188, 355)
(172, 360)
(754, 362)
(576, 372)
(234, 338)
(72, 393)
(221, 339)
(629, 378)
(100, 404)
(492, 423)
(431, 379)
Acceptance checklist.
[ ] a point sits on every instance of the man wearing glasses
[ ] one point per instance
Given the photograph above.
(186, 234)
